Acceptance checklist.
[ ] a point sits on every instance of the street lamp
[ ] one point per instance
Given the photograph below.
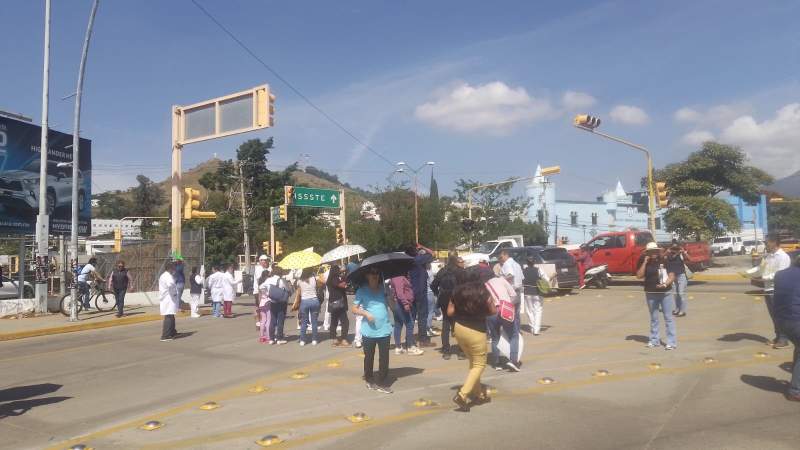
(590, 124)
(402, 166)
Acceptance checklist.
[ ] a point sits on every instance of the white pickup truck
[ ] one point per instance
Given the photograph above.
(728, 245)
(490, 249)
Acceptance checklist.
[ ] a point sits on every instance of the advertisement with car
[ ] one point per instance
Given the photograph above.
(19, 179)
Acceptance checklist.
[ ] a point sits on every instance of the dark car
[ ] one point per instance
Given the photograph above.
(565, 267)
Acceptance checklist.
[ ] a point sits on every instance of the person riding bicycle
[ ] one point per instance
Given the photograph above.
(87, 274)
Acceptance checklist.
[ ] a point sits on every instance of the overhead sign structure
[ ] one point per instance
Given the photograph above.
(316, 198)
(20, 144)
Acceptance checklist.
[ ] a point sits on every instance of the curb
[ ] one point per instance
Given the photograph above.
(79, 327)
(717, 277)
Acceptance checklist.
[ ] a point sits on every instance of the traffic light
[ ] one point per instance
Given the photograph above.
(552, 170)
(117, 240)
(191, 201)
(283, 212)
(265, 246)
(662, 199)
(278, 248)
(288, 195)
(271, 110)
(339, 236)
(587, 121)
(468, 225)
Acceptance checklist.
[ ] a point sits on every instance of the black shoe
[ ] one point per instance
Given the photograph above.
(462, 404)
(780, 344)
(461, 356)
(384, 390)
(446, 356)
(675, 313)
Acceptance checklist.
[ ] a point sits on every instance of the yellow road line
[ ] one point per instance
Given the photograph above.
(79, 327)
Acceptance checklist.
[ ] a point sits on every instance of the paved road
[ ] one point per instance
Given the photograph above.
(99, 386)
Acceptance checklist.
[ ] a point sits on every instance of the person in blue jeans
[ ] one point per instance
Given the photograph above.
(502, 291)
(676, 263)
(404, 310)
(658, 280)
(786, 304)
(309, 304)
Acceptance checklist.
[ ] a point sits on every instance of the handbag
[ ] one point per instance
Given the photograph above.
(278, 294)
(544, 285)
(336, 305)
(505, 309)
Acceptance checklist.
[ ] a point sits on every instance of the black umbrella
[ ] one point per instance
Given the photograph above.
(388, 264)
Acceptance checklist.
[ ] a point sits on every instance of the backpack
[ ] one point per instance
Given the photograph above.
(278, 294)
(443, 285)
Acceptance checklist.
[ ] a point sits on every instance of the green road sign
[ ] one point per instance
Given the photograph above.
(276, 214)
(315, 198)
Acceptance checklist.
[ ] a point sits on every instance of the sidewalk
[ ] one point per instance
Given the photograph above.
(26, 327)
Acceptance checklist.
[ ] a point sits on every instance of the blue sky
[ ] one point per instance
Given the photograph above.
(485, 89)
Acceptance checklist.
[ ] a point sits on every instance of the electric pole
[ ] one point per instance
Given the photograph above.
(244, 221)
(43, 219)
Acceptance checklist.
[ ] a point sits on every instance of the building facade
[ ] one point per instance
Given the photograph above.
(130, 228)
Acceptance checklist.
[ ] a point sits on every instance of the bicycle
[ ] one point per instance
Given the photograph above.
(97, 294)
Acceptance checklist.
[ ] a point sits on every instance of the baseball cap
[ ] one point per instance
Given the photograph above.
(262, 257)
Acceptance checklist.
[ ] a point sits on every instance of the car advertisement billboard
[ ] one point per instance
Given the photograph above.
(19, 179)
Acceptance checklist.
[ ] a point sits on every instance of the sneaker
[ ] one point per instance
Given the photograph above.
(384, 390)
(426, 344)
(263, 340)
(461, 402)
(258, 324)
(415, 351)
(498, 368)
(432, 332)
(302, 343)
(194, 316)
(652, 345)
(371, 386)
(446, 356)
(399, 351)
(461, 356)
(670, 347)
(779, 345)
(167, 339)
(357, 344)
(535, 333)
(792, 397)
(512, 367)
(281, 341)
(272, 342)
(326, 328)
(313, 342)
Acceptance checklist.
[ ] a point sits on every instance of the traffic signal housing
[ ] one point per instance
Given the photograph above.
(283, 212)
(191, 201)
(662, 198)
(288, 195)
(265, 246)
(278, 248)
(339, 236)
(587, 121)
(117, 240)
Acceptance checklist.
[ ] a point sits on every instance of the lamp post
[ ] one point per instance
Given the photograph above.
(402, 166)
(589, 124)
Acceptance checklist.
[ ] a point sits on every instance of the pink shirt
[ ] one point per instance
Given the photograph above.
(501, 289)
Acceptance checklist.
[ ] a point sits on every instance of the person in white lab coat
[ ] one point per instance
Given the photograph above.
(214, 283)
(195, 290)
(168, 301)
(228, 290)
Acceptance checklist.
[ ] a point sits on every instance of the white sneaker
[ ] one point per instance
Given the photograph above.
(313, 342)
(195, 316)
(415, 351)
(357, 344)
(302, 343)
(281, 342)
(326, 328)
(258, 324)
(399, 351)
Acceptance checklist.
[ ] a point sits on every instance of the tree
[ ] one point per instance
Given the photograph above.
(785, 218)
(494, 209)
(694, 184)
(147, 197)
(111, 205)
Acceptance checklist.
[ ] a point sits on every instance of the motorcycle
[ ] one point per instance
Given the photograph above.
(597, 276)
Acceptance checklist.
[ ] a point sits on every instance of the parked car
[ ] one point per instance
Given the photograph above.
(727, 245)
(490, 249)
(752, 246)
(564, 269)
(19, 188)
(9, 289)
(790, 244)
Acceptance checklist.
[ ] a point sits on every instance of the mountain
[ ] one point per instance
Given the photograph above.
(788, 186)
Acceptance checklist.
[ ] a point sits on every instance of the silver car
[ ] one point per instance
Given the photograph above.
(9, 289)
(19, 189)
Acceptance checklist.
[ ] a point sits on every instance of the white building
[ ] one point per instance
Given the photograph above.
(130, 228)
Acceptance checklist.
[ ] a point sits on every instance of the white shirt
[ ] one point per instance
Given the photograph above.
(85, 271)
(772, 263)
(513, 269)
(229, 286)
(308, 288)
(167, 294)
(215, 286)
(257, 274)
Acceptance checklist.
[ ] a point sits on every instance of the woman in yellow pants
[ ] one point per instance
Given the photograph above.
(469, 306)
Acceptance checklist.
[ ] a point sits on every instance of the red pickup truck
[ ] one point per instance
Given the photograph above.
(621, 250)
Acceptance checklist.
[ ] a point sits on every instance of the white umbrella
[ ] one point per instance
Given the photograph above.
(342, 252)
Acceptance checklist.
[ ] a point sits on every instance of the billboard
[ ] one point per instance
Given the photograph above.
(19, 180)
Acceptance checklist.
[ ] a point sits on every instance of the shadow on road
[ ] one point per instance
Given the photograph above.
(766, 383)
(787, 366)
(736, 337)
(400, 372)
(637, 338)
(184, 334)
(18, 400)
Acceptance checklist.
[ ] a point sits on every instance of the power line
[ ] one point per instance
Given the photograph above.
(289, 85)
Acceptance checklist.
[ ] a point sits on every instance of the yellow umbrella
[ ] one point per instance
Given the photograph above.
(300, 260)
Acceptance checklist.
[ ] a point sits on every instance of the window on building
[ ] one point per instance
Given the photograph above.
(573, 218)
(594, 218)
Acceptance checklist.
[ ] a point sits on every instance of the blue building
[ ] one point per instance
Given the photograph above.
(572, 222)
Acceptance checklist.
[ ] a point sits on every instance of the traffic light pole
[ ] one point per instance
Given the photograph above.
(343, 217)
(651, 203)
(271, 235)
(175, 213)
(244, 221)
(43, 220)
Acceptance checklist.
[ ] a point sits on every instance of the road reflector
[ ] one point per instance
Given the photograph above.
(558, 296)
(422, 402)
(761, 355)
(709, 360)
(151, 425)
(599, 295)
(333, 364)
(691, 297)
(602, 373)
(723, 298)
(298, 375)
(80, 447)
(546, 380)
(268, 440)
(757, 298)
(630, 296)
(208, 406)
(358, 417)
(654, 366)
(548, 300)
(491, 390)
(257, 389)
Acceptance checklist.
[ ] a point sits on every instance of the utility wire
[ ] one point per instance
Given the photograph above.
(289, 85)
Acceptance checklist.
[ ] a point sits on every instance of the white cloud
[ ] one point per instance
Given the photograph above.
(629, 115)
(697, 137)
(573, 101)
(717, 116)
(773, 144)
(687, 115)
(494, 107)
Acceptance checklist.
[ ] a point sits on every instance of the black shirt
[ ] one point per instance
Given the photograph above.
(675, 265)
(651, 276)
(530, 278)
(334, 291)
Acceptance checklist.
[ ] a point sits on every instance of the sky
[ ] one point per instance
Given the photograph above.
(486, 90)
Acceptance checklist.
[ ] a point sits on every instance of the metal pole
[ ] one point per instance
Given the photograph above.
(76, 141)
(469, 215)
(42, 220)
(175, 213)
(244, 222)
(271, 235)
(343, 217)
(21, 272)
(555, 240)
(416, 211)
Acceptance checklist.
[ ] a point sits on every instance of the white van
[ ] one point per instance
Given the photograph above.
(727, 245)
